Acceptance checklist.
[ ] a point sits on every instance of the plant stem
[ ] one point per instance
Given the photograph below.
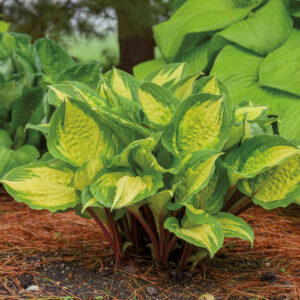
(150, 219)
(161, 235)
(169, 249)
(235, 197)
(244, 207)
(238, 203)
(116, 233)
(230, 193)
(150, 234)
(183, 255)
(104, 230)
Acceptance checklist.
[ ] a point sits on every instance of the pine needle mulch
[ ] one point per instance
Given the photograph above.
(32, 240)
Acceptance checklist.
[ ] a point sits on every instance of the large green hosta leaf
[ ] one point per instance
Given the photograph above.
(77, 135)
(51, 59)
(199, 122)
(279, 186)
(208, 236)
(121, 188)
(43, 185)
(239, 70)
(264, 30)
(195, 174)
(259, 154)
(196, 19)
(281, 68)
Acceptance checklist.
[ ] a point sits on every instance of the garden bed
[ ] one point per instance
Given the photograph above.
(66, 257)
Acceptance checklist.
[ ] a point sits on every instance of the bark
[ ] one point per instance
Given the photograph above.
(136, 43)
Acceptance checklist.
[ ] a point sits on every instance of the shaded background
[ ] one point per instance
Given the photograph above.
(115, 32)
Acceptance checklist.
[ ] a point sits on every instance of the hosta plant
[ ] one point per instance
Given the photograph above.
(25, 71)
(165, 166)
(239, 41)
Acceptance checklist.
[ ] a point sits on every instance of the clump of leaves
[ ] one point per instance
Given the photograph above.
(25, 72)
(166, 165)
(237, 40)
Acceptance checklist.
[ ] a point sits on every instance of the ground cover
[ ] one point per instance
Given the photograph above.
(66, 257)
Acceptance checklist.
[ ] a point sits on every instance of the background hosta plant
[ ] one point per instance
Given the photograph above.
(239, 41)
(165, 165)
(25, 72)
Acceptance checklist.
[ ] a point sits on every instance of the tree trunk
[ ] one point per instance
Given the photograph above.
(136, 43)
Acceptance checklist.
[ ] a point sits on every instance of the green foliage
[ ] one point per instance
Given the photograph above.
(25, 71)
(239, 42)
(168, 161)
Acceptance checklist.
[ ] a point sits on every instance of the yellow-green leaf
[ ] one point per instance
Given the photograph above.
(195, 173)
(233, 226)
(278, 187)
(200, 122)
(185, 87)
(167, 75)
(84, 175)
(121, 188)
(43, 185)
(77, 136)
(259, 154)
(208, 236)
(211, 197)
(158, 103)
(74, 90)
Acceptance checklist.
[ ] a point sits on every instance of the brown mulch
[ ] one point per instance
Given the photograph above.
(67, 257)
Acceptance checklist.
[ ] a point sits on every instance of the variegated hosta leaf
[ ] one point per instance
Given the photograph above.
(212, 85)
(185, 87)
(208, 236)
(122, 84)
(84, 175)
(121, 188)
(233, 226)
(120, 91)
(195, 174)
(259, 154)
(43, 185)
(249, 110)
(74, 90)
(158, 103)
(139, 154)
(198, 216)
(209, 84)
(278, 187)
(77, 136)
(200, 122)
(141, 70)
(211, 198)
(168, 75)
